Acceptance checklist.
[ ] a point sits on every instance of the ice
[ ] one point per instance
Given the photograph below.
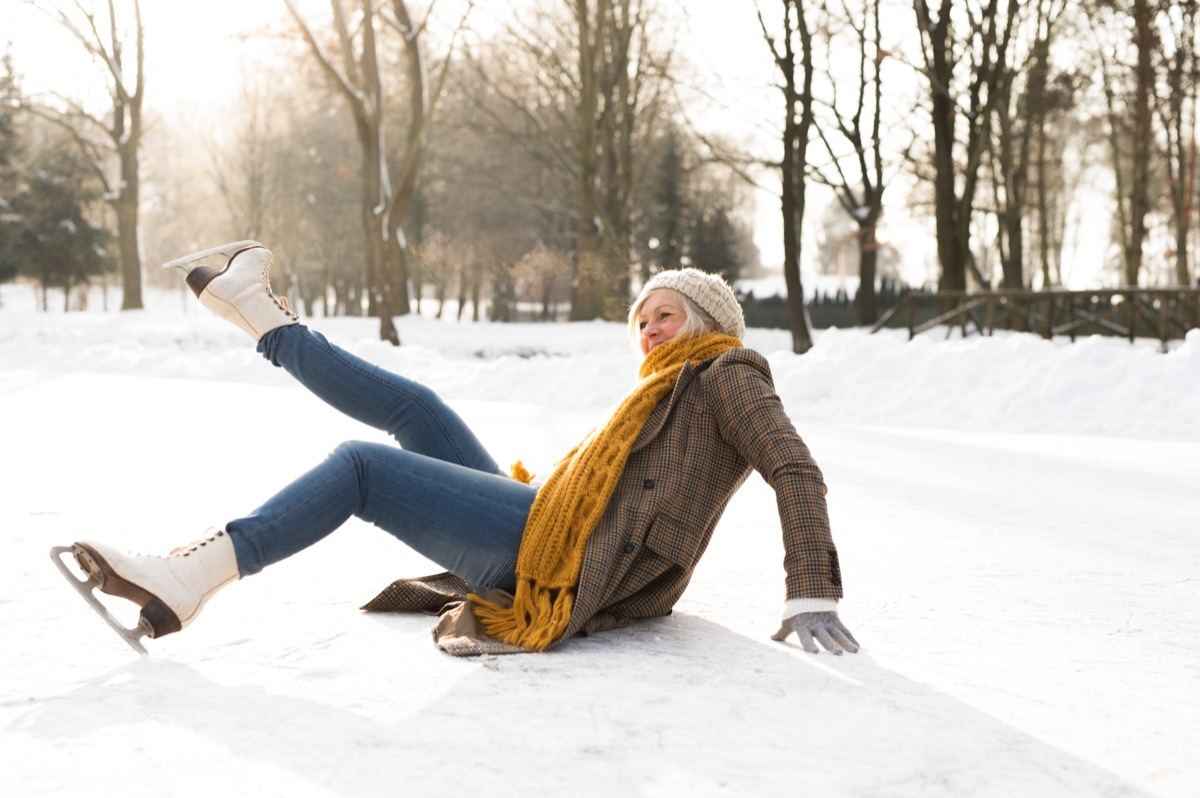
(1016, 518)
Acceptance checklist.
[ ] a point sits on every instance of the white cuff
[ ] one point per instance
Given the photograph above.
(798, 605)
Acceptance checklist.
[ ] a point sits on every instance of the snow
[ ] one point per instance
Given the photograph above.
(1016, 521)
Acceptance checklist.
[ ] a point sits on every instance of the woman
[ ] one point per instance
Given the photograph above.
(612, 536)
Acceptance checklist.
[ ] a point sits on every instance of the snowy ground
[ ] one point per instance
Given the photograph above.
(1017, 522)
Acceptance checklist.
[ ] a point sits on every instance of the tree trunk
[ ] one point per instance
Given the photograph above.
(1139, 187)
(951, 257)
(126, 206)
(122, 134)
(369, 118)
(420, 108)
(795, 156)
(1180, 125)
(864, 201)
(619, 22)
(985, 44)
(383, 208)
(127, 138)
(868, 257)
(587, 301)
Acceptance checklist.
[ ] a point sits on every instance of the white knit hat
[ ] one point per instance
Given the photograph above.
(708, 291)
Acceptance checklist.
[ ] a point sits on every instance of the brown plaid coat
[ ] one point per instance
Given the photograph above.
(722, 419)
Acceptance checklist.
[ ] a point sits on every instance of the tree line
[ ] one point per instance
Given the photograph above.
(392, 155)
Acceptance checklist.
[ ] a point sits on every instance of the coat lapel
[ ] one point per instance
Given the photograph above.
(659, 415)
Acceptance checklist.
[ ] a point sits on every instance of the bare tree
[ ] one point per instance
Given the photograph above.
(964, 49)
(12, 145)
(1178, 114)
(797, 125)
(544, 275)
(1146, 41)
(581, 93)
(353, 65)
(1117, 25)
(1052, 124)
(243, 169)
(1022, 113)
(857, 177)
(119, 136)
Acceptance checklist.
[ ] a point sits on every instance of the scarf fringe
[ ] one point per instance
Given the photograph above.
(543, 613)
(520, 473)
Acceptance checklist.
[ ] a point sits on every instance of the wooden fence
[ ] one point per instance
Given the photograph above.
(1162, 313)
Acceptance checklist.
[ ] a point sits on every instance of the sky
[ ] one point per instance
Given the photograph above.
(1015, 520)
(193, 50)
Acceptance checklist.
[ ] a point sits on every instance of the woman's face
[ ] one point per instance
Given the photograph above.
(659, 319)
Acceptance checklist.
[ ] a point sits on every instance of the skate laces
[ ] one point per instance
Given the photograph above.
(195, 545)
(280, 301)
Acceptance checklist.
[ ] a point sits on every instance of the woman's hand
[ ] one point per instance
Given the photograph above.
(826, 627)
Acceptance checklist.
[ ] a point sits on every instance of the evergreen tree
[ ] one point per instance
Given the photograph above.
(664, 217)
(54, 242)
(9, 151)
(690, 214)
(713, 243)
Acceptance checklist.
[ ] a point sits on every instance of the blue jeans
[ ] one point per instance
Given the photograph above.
(440, 492)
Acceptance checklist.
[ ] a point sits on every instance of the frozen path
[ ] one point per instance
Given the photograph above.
(1027, 605)
(1049, 581)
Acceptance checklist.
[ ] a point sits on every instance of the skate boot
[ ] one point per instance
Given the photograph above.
(171, 590)
(241, 291)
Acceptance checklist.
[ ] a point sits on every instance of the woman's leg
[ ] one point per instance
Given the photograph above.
(467, 521)
(407, 410)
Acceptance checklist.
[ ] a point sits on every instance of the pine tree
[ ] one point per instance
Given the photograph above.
(55, 242)
(9, 154)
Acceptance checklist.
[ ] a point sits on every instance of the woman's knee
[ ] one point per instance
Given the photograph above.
(356, 453)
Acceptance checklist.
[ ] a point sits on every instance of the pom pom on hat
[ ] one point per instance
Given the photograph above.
(709, 291)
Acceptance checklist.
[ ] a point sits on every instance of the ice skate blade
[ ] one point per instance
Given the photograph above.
(228, 250)
(86, 588)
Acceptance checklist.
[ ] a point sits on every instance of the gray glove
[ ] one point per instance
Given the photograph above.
(824, 626)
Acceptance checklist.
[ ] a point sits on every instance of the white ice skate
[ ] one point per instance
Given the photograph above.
(170, 590)
(240, 291)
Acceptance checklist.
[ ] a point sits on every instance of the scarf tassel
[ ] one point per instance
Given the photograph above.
(537, 617)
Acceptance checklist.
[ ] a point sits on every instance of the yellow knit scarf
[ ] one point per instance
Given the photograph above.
(569, 505)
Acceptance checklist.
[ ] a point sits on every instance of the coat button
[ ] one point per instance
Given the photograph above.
(648, 484)
(629, 548)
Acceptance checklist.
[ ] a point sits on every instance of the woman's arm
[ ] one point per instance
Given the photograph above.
(751, 418)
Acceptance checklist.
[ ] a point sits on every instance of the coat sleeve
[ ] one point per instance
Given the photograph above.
(751, 419)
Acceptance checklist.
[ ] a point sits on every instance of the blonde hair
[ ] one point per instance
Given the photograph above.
(696, 319)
